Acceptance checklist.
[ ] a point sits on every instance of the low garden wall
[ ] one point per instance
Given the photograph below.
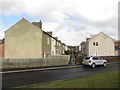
(35, 62)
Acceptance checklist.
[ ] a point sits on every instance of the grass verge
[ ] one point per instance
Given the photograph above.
(102, 80)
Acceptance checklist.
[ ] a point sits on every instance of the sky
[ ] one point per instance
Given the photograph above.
(70, 20)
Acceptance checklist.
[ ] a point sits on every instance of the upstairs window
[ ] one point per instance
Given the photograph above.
(95, 43)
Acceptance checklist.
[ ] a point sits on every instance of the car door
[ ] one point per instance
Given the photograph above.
(96, 60)
(101, 61)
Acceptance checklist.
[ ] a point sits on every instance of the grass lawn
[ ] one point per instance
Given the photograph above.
(102, 80)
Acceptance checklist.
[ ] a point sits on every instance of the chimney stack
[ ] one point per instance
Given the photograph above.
(56, 38)
(38, 24)
(50, 33)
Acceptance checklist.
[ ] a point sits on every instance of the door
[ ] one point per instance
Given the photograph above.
(96, 60)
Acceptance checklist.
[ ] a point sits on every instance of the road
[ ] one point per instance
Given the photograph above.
(10, 80)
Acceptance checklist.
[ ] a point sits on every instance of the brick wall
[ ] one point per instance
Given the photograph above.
(1, 51)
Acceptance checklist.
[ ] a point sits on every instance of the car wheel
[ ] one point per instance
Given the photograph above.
(104, 64)
(93, 65)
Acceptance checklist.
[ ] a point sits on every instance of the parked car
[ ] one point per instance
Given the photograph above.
(93, 61)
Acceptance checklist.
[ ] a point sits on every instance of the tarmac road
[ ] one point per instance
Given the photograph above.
(18, 79)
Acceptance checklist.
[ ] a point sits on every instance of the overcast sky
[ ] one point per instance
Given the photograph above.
(70, 20)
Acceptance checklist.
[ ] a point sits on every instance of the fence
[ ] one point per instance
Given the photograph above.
(108, 58)
(111, 58)
(35, 62)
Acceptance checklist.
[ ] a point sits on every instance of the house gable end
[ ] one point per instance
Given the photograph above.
(97, 35)
(23, 40)
(23, 23)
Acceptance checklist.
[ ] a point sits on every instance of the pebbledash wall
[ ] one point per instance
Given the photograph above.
(36, 62)
(23, 40)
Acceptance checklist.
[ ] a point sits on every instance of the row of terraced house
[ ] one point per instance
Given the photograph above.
(28, 40)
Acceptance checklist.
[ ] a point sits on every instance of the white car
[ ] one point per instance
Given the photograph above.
(93, 61)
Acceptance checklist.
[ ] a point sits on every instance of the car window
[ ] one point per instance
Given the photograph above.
(95, 58)
(87, 58)
(99, 58)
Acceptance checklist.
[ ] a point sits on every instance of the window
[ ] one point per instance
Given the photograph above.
(44, 55)
(48, 40)
(87, 58)
(95, 58)
(95, 43)
(107, 53)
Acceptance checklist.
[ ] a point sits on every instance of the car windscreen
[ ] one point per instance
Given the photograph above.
(87, 58)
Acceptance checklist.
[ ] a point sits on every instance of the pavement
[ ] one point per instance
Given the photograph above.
(42, 69)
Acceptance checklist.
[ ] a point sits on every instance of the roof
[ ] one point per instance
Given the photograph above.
(117, 41)
(83, 42)
(50, 34)
(23, 19)
(99, 34)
